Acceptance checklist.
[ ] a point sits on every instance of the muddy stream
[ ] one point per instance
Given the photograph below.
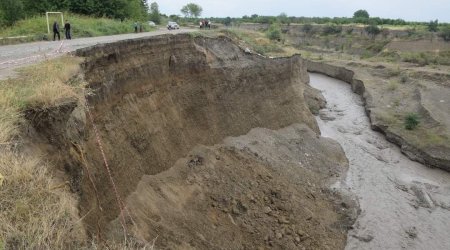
(404, 204)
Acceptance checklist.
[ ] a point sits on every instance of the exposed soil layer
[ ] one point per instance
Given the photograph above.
(157, 98)
(154, 101)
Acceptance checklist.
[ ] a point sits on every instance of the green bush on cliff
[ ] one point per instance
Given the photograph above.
(274, 32)
(445, 33)
(411, 121)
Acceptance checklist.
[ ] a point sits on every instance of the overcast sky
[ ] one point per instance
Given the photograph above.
(410, 10)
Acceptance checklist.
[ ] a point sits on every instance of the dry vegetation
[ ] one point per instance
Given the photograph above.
(36, 211)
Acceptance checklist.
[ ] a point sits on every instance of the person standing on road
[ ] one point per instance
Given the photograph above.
(135, 27)
(56, 31)
(67, 30)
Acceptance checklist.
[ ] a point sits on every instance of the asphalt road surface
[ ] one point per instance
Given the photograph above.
(16, 56)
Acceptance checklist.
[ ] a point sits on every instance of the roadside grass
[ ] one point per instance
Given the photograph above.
(35, 28)
(36, 211)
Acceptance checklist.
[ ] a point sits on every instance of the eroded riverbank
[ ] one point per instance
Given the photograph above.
(404, 204)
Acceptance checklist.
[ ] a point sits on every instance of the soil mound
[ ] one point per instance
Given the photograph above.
(247, 194)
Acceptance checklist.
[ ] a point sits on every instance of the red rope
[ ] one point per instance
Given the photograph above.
(57, 50)
(108, 170)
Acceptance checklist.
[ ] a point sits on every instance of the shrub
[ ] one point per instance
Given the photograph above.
(307, 28)
(274, 32)
(411, 121)
(372, 30)
(349, 31)
(393, 85)
(332, 29)
(433, 26)
(377, 47)
(403, 78)
(445, 33)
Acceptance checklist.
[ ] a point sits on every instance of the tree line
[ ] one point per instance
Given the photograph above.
(14, 10)
(360, 16)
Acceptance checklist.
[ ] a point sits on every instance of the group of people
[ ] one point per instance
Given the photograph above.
(66, 30)
(205, 24)
(138, 27)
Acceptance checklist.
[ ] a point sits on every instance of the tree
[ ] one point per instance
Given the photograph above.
(155, 15)
(227, 21)
(192, 10)
(361, 14)
(433, 26)
(283, 18)
(11, 11)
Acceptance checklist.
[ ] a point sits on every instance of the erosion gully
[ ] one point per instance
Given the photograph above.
(404, 204)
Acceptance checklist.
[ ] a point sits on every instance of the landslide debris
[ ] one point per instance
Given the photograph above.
(154, 102)
(247, 194)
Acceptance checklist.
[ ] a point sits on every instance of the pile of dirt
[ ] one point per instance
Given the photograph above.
(153, 102)
(247, 194)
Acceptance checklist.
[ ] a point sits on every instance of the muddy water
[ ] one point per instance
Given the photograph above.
(404, 205)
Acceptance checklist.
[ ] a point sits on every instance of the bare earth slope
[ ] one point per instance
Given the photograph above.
(154, 101)
(247, 194)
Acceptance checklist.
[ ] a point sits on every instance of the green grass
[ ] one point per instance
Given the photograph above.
(35, 28)
(411, 121)
(427, 58)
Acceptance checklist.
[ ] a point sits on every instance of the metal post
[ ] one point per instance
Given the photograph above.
(48, 24)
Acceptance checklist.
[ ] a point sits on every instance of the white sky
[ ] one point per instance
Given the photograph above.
(410, 10)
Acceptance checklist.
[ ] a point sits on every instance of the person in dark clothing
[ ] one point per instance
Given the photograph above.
(56, 31)
(67, 30)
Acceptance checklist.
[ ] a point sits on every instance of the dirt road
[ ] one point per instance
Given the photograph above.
(16, 56)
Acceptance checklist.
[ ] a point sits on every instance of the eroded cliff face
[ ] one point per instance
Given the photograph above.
(154, 99)
(154, 102)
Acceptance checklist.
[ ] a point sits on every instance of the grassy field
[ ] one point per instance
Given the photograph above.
(35, 28)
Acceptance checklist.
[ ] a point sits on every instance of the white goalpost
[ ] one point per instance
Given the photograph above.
(48, 22)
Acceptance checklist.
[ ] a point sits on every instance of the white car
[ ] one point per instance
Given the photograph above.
(151, 23)
(172, 26)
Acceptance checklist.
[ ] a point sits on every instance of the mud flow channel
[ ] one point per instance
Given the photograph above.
(404, 205)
